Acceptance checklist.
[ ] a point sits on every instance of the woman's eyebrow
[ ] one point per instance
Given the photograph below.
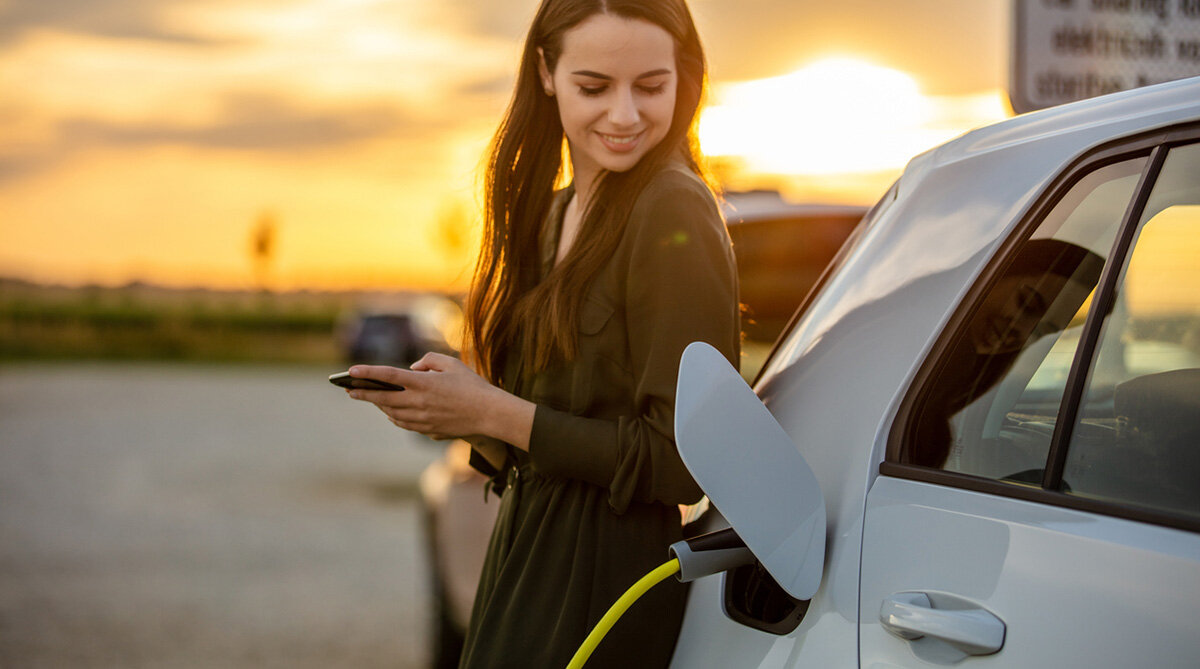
(644, 75)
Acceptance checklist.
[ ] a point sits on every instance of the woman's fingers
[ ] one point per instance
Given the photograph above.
(414, 418)
(408, 416)
(422, 365)
(382, 398)
(430, 362)
(443, 398)
(419, 426)
(396, 375)
(435, 362)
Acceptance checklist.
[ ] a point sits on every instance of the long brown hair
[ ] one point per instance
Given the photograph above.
(509, 305)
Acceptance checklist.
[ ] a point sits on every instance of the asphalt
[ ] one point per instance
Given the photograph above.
(192, 516)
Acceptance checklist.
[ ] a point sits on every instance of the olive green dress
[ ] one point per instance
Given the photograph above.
(593, 505)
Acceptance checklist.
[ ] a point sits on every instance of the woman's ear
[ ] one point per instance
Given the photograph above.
(544, 73)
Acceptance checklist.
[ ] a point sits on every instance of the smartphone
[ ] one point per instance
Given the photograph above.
(344, 380)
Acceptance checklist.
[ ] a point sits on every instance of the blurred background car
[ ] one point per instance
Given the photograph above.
(398, 332)
(782, 248)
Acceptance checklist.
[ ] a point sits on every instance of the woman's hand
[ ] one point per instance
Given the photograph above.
(445, 399)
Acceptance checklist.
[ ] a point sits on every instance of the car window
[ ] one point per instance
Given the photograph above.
(990, 406)
(1136, 438)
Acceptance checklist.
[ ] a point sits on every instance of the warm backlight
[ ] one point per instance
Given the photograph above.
(835, 116)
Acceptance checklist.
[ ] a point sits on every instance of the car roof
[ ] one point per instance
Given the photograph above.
(935, 232)
(1087, 121)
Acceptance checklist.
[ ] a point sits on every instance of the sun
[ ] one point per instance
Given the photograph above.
(834, 116)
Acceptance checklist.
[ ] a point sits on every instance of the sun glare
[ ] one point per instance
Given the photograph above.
(835, 116)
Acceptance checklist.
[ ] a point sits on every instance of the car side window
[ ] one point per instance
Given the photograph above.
(990, 406)
(1136, 436)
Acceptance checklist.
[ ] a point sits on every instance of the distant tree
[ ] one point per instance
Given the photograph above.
(262, 247)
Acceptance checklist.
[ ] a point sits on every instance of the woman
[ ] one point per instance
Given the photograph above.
(582, 304)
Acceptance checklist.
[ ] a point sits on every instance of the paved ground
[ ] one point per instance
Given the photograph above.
(191, 516)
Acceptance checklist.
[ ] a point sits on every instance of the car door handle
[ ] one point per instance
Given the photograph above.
(956, 621)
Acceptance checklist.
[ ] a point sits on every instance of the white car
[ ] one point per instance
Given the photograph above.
(980, 445)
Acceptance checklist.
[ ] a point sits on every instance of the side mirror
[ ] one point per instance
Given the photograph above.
(750, 469)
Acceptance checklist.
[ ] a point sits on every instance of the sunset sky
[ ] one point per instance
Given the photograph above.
(147, 139)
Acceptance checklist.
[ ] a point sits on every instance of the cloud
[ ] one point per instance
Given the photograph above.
(504, 19)
(487, 88)
(257, 123)
(123, 19)
(951, 45)
(253, 122)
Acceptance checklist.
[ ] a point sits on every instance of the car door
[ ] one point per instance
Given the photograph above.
(1039, 504)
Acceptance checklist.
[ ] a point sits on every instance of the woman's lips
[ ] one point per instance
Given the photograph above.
(620, 143)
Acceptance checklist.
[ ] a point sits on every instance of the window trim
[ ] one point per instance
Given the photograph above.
(1039, 495)
(1102, 306)
(1154, 146)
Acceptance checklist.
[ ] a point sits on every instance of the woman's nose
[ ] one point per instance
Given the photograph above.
(624, 110)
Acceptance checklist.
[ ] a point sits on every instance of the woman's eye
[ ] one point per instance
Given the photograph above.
(592, 91)
(653, 90)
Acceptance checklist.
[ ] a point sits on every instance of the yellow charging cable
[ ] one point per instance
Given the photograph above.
(618, 609)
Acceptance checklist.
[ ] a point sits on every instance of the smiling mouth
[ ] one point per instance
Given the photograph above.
(627, 139)
(620, 143)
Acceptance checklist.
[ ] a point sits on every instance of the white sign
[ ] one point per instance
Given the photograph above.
(1067, 50)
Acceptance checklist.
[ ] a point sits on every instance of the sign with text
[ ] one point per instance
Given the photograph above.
(1066, 50)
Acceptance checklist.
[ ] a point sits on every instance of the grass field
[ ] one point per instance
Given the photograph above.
(141, 322)
(147, 322)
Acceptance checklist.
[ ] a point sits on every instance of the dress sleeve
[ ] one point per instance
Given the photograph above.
(681, 287)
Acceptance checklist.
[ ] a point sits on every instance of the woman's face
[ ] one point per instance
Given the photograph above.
(615, 87)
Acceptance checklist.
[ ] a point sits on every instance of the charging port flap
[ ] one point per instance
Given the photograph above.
(750, 469)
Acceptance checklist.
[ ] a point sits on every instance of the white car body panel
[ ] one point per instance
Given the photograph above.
(1062, 580)
(836, 380)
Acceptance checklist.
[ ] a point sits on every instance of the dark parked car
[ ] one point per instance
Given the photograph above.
(398, 334)
(781, 248)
